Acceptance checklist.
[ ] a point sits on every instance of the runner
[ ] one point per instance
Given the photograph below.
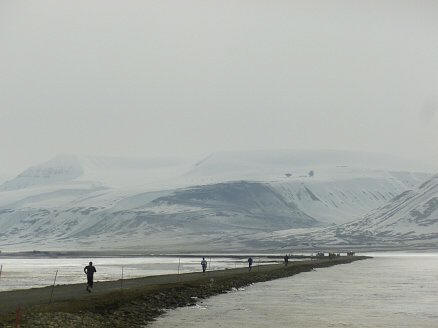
(204, 264)
(286, 260)
(250, 263)
(89, 270)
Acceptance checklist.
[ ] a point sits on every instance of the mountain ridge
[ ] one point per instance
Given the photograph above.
(214, 201)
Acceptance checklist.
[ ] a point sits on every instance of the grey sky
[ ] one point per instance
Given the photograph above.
(145, 78)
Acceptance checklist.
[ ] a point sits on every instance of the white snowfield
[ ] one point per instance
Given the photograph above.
(227, 201)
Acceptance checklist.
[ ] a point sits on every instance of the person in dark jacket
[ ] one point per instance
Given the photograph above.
(204, 264)
(89, 270)
(250, 263)
(286, 260)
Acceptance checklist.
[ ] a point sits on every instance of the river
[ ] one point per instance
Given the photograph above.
(390, 290)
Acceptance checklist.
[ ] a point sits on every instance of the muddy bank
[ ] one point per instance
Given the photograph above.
(142, 299)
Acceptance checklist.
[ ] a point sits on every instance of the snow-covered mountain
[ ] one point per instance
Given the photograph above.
(408, 220)
(109, 171)
(275, 165)
(3, 177)
(172, 204)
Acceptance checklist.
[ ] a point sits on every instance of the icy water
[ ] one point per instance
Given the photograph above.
(386, 291)
(22, 273)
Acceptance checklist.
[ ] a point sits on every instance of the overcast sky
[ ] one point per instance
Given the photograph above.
(146, 78)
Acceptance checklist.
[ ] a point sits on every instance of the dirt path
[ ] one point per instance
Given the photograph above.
(10, 300)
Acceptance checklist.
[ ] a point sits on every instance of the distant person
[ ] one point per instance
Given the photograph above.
(204, 264)
(89, 271)
(286, 260)
(250, 260)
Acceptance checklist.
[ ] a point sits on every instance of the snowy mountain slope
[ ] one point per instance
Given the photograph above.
(109, 171)
(159, 204)
(345, 185)
(235, 207)
(3, 177)
(250, 199)
(409, 219)
(346, 195)
(269, 165)
(413, 215)
(59, 169)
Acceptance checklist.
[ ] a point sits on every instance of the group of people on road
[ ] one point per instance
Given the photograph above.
(204, 264)
(90, 269)
(250, 262)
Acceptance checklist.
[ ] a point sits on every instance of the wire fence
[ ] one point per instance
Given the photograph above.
(11, 278)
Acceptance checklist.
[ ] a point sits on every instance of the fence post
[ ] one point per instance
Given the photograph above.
(18, 317)
(1, 269)
(121, 281)
(53, 287)
(179, 264)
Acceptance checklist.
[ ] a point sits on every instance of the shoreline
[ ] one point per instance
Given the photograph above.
(74, 254)
(140, 300)
(300, 252)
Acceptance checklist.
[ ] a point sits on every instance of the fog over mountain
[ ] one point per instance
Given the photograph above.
(221, 124)
(153, 78)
